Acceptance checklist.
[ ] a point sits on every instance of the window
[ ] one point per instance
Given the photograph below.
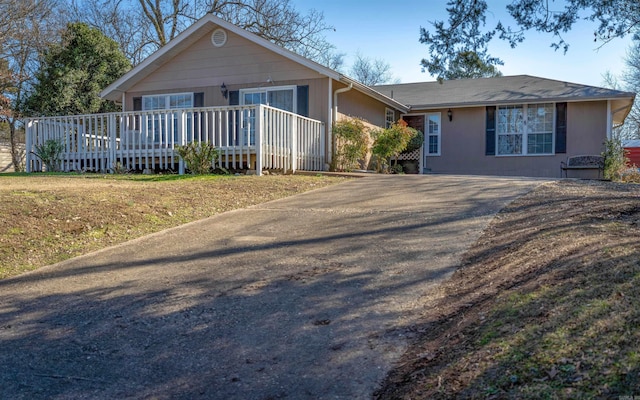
(432, 138)
(390, 117)
(282, 97)
(510, 129)
(525, 129)
(540, 129)
(163, 126)
(165, 101)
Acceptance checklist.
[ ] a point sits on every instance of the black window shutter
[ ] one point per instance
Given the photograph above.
(490, 135)
(234, 117)
(303, 100)
(198, 123)
(561, 128)
(198, 99)
(137, 106)
(234, 98)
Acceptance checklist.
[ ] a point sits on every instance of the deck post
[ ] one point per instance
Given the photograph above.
(294, 144)
(181, 140)
(112, 138)
(258, 128)
(421, 162)
(28, 144)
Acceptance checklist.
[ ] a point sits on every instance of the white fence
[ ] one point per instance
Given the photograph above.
(247, 137)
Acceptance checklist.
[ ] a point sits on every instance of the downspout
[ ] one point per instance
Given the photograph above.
(609, 120)
(335, 101)
(334, 116)
(327, 149)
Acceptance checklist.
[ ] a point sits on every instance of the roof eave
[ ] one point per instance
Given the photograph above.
(375, 94)
(627, 96)
(124, 83)
(621, 113)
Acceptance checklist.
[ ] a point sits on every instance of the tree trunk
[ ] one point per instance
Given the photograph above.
(17, 154)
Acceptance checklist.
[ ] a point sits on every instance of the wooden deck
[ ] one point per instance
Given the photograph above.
(248, 137)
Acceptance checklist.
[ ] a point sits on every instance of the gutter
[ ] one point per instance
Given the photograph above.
(334, 117)
(335, 101)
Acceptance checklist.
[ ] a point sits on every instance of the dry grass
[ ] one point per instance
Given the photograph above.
(546, 305)
(50, 218)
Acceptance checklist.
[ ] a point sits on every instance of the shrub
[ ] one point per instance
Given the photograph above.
(390, 142)
(631, 175)
(50, 153)
(198, 156)
(615, 159)
(416, 142)
(119, 169)
(352, 144)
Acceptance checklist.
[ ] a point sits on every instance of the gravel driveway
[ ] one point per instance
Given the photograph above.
(310, 297)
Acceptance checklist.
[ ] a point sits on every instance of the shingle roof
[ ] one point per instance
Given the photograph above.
(500, 90)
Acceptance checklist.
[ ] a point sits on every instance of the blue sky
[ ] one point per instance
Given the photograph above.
(391, 30)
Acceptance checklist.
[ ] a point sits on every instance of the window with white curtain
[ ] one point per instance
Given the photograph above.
(525, 129)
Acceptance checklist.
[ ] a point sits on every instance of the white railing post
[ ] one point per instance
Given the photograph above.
(421, 162)
(113, 131)
(181, 140)
(28, 144)
(258, 130)
(294, 144)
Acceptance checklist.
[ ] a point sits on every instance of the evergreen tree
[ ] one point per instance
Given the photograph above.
(74, 71)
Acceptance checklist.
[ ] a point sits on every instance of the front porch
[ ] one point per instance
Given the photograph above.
(248, 137)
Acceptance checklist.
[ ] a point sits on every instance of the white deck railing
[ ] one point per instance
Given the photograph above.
(255, 136)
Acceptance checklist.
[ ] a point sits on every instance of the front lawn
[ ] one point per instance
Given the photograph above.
(47, 218)
(546, 305)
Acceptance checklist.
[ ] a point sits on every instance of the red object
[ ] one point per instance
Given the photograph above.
(633, 154)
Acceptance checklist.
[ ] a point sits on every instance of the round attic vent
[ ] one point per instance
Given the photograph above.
(219, 37)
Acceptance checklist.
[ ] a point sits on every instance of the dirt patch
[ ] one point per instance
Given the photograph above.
(47, 219)
(545, 305)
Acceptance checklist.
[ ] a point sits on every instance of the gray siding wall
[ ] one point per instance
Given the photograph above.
(463, 144)
(356, 104)
(238, 64)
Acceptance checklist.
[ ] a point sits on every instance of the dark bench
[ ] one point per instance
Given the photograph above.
(582, 163)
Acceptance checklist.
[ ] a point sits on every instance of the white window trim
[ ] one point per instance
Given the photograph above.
(265, 89)
(526, 132)
(389, 111)
(167, 97)
(426, 134)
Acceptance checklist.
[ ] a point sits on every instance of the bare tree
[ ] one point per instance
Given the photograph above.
(22, 44)
(11, 13)
(371, 72)
(279, 22)
(144, 26)
(166, 18)
(629, 81)
(631, 78)
(120, 21)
